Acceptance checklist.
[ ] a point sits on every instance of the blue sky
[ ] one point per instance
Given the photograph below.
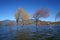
(8, 8)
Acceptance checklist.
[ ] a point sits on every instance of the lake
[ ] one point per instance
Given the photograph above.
(28, 32)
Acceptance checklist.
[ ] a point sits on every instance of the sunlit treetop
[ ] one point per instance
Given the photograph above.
(20, 10)
(21, 14)
(25, 16)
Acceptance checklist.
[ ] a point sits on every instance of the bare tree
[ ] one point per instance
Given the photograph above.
(57, 16)
(21, 15)
(18, 15)
(24, 17)
(40, 13)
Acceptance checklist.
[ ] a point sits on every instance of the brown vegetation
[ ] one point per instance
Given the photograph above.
(0, 23)
(9, 24)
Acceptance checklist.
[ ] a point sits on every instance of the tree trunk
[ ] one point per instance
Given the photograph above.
(36, 25)
(17, 21)
(17, 24)
(22, 23)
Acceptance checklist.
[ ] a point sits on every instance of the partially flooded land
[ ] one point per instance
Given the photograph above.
(28, 32)
(29, 19)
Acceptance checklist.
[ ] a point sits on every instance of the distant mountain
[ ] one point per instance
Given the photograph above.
(8, 21)
(4, 21)
(32, 20)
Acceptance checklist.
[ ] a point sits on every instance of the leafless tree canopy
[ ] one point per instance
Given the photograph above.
(41, 13)
(57, 16)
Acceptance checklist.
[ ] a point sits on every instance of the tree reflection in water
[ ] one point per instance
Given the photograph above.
(23, 34)
(26, 34)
